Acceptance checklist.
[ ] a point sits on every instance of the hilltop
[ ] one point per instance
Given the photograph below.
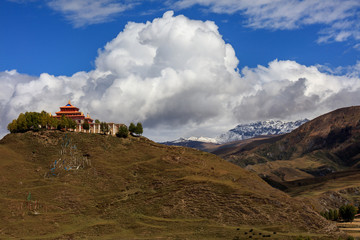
(58, 185)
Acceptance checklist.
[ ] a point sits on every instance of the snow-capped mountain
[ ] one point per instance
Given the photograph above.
(269, 127)
(196, 139)
(243, 131)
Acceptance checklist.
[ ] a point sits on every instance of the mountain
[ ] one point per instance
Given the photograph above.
(57, 185)
(240, 132)
(319, 151)
(260, 128)
(201, 143)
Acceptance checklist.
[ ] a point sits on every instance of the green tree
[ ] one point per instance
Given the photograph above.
(71, 123)
(123, 131)
(331, 215)
(347, 212)
(97, 121)
(54, 122)
(32, 120)
(139, 129)
(132, 128)
(86, 125)
(44, 119)
(104, 127)
(336, 215)
(12, 127)
(21, 123)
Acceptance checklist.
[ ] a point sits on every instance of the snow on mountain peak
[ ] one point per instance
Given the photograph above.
(250, 130)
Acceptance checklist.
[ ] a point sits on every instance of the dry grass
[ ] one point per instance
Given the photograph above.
(137, 189)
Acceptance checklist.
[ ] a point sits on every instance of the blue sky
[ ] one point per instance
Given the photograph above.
(36, 38)
(276, 44)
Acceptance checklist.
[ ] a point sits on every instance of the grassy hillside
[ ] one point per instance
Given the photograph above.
(327, 144)
(57, 185)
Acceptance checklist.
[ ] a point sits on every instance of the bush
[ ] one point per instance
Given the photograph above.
(86, 125)
(347, 212)
(123, 132)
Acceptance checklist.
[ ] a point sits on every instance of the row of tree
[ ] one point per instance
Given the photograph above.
(136, 130)
(35, 121)
(345, 212)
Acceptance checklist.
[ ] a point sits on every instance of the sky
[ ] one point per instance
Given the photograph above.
(181, 67)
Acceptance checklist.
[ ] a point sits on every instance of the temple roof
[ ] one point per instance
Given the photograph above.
(69, 105)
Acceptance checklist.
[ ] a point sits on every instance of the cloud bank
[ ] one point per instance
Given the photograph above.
(180, 78)
(340, 18)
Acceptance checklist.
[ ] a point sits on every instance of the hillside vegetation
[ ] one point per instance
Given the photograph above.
(57, 185)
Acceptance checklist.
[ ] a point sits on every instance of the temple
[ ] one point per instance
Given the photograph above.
(72, 112)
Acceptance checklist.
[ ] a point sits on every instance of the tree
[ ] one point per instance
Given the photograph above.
(123, 131)
(331, 215)
(97, 121)
(104, 127)
(12, 127)
(86, 125)
(347, 212)
(54, 123)
(66, 123)
(139, 129)
(70, 123)
(21, 123)
(132, 128)
(44, 119)
(336, 215)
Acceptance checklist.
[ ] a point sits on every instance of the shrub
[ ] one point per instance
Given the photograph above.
(347, 212)
(123, 132)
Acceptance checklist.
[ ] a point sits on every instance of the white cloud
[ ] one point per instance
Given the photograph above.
(340, 18)
(87, 12)
(179, 78)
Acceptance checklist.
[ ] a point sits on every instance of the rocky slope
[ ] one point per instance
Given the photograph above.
(57, 185)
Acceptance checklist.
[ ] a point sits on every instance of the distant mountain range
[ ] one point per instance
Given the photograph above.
(242, 132)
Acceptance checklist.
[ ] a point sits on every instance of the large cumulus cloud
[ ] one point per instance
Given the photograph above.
(180, 78)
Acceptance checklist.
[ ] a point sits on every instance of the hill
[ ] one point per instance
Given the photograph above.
(329, 145)
(59, 185)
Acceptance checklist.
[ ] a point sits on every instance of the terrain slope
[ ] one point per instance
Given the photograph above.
(57, 185)
(320, 159)
(327, 144)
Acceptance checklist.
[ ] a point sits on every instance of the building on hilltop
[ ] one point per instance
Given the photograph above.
(72, 112)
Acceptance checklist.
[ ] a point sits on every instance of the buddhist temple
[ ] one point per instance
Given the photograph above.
(72, 112)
